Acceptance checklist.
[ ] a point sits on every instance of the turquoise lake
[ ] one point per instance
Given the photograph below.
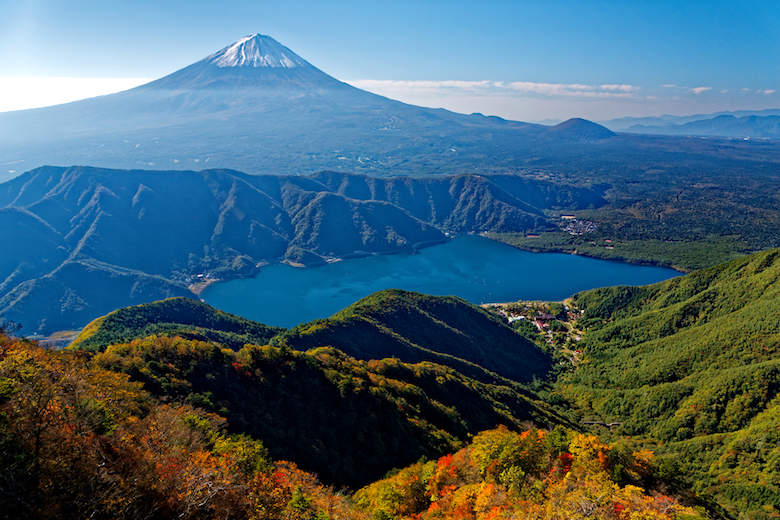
(472, 267)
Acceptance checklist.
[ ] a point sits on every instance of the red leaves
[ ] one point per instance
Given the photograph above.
(566, 460)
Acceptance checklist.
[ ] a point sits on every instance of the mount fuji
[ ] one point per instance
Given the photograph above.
(258, 107)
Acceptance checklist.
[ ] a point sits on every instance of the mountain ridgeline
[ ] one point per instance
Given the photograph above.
(409, 326)
(761, 127)
(415, 327)
(183, 317)
(81, 242)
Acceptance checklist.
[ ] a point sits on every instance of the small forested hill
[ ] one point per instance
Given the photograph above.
(147, 234)
(348, 420)
(175, 316)
(693, 362)
(415, 327)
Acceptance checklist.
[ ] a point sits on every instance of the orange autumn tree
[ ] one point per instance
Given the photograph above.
(532, 474)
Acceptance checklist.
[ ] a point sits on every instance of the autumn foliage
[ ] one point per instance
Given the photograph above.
(508, 475)
(78, 441)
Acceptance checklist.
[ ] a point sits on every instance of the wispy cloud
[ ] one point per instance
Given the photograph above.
(766, 91)
(498, 88)
(699, 90)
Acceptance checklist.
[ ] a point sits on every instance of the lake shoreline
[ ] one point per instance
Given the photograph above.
(473, 267)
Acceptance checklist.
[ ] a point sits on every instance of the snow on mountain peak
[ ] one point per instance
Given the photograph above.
(257, 51)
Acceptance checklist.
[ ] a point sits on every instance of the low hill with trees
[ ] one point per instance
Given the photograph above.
(183, 317)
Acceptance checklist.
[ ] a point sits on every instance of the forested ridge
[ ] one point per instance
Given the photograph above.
(183, 317)
(415, 327)
(80, 438)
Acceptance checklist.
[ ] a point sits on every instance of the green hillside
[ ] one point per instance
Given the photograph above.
(175, 316)
(415, 327)
(693, 363)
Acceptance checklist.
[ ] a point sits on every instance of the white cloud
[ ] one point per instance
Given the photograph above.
(495, 88)
(24, 93)
(767, 91)
(622, 88)
(699, 90)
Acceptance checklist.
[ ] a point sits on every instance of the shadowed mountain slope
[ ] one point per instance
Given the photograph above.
(409, 326)
(415, 327)
(351, 420)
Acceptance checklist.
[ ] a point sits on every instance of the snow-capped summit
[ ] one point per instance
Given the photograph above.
(255, 61)
(257, 51)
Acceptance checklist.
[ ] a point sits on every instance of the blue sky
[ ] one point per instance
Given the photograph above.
(526, 60)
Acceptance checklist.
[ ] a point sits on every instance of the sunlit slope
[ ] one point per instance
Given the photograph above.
(693, 362)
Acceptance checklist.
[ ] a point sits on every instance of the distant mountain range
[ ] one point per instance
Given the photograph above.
(258, 107)
(81, 242)
(744, 123)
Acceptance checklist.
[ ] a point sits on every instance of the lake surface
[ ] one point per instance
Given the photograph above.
(472, 267)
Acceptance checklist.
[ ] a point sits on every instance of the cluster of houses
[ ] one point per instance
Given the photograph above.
(578, 227)
(556, 330)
